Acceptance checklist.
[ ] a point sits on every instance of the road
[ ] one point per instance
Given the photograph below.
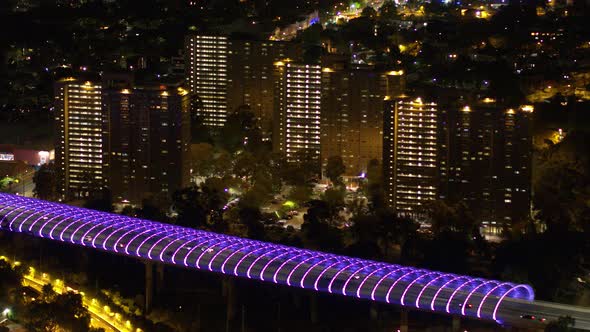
(98, 318)
(101, 316)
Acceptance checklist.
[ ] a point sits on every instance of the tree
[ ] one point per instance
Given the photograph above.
(47, 293)
(45, 182)
(9, 279)
(335, 169)
(200, 206)
(101, 200)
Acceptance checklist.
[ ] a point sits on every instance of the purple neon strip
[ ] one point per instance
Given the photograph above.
(37, 213)
(427, 285)
(325, 269)
(115, 224)
(134, 227)
(457, 290)
(248, 255)
(298, 265)
(401, 269)
(335, 276)
(398, 280)
(487, 295)
(128, 246)
(274, 277)
(287, 252)
(234, 253)
(105, 221)
(530, 297)
(12, 210)
(239, 243)
(309, 269)
(93, 217)
(166, 236)
(136, 230)
(412, 284)
(17, 216)
(353, 274)
(440, 289)
(195, 238)
(159, 232)
(42, 217)
(368, 276)
(218, 241)
(189, 235)
(212, 237)
(473, 292)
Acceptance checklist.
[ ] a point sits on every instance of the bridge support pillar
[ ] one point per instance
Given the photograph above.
(403, 326)
(313, 308)
(149, 286)
(228, 290)
(456, 325)
(160, 278)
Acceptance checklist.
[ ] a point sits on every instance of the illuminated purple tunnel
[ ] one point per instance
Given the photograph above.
(406, 286)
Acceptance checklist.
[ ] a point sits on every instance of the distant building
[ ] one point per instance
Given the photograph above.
(147, 139)
(207, 76)
(250, 75)
(297, 112)
(490, 155)
(229, 73)
(78, 148)
(114, 133)
(479, 154)
(410, 154)
(353, 99)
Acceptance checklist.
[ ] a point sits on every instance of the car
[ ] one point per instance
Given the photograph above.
(529, 317)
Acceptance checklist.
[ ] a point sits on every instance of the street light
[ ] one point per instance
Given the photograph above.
(6, 312)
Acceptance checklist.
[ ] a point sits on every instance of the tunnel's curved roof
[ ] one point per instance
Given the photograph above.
(401, 285)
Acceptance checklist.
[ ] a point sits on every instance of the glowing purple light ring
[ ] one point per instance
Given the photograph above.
(232, 255)
(94, 217)
(384, 277)
(270, 261)
(360, 287)
(95, 237)
(198, 245)
(101, 223)
(499, 286)
(39, 213)
(166, 236)
(530, 298)
(450, 300)
(335, 276)
(133, 227)
(146, 227)
(220, 240)
(190, 235)
(274, 277)
(159, 232)
(309, 269)
(412, 284)
(222, 250)
(473, 292)
(398, 280)
(317, 280)
(427, 285)
(298, 265)
(354, 273)
(433, 302)
(252, 264)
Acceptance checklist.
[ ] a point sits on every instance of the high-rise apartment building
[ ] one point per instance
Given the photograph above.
(410, 154)
(147, 138)
(479, 154)
(230, 73)
(207, 76)
(79, 150)
(490, 151)
(297, 112)
(353, 99)
(131, 138)
(250, 75)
